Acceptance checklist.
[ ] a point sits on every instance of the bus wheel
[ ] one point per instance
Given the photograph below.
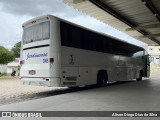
(75, 87)
(102, 78)
(140, 76)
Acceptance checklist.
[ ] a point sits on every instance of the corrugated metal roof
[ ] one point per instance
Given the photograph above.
(135, 11)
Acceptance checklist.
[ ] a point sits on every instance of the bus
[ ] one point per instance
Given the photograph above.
(59, 53)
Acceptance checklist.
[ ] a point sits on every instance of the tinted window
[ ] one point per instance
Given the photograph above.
(76, 37)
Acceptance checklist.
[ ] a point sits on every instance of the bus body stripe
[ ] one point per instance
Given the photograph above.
(36, 47)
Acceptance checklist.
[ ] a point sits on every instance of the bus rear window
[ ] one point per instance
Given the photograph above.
(37, 32)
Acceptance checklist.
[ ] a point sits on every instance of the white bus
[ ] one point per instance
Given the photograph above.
(56, 52)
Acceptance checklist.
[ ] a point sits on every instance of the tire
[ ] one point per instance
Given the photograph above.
(102, 79)
(140, 76)
(75, 87)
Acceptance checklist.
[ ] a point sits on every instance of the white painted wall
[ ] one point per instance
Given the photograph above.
(13, 65)
(3, 68)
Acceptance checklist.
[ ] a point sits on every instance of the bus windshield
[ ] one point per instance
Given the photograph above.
(38, 32)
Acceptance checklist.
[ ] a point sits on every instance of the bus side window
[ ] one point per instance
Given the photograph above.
(134, 55)
(138, 54)
(76, 38)
(65, 39)
(86, 37)
(93, 43)
(72, 36)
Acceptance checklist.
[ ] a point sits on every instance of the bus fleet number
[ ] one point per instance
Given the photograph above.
(45, 60)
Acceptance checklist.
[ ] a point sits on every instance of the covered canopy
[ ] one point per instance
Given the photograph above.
(137, 18)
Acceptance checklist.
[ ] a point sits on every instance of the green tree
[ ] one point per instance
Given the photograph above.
(5, 55)
(16, 49)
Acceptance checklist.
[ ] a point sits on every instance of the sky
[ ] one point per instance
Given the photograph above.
(13, 13)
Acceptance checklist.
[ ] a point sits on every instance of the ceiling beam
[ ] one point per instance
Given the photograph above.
(157, 25)
(122, 18)
(114, 13)
(152, 8)
(78, 1)
(149, 36)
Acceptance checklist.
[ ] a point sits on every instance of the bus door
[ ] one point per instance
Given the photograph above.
(146, 65)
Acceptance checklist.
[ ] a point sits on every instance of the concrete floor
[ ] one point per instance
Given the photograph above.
(124, 96)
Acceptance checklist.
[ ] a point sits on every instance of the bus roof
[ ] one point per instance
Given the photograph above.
(135, 47)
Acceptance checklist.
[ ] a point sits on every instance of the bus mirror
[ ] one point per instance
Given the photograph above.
(150, 59)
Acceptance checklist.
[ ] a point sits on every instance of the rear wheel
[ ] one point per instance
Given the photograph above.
(140, 76)
(75, 87)
(102, 78)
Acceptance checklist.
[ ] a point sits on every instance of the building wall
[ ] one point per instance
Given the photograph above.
(13, 65)
(10, 69)
(3, 68)
(154, 51)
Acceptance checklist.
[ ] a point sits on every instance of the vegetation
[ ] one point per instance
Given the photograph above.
(7, 56)
(3, 74)
(16, 49)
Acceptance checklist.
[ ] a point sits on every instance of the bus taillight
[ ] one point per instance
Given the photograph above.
(21, 62)
(51, 60)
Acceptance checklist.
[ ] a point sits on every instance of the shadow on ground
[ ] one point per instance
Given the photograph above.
(25, 97)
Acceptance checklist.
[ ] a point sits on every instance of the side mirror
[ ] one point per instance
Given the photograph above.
(150, 59)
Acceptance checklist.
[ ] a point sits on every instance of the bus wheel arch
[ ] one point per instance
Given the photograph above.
(102, 78)
(140, 75)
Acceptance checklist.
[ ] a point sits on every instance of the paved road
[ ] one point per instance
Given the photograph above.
(124, 96)
(12, 90)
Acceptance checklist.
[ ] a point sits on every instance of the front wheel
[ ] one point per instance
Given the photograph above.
(102, 79)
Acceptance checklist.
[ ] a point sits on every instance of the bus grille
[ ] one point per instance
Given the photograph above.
(72, 78)
(69, 83)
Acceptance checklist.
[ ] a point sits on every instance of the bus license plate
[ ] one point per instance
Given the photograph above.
(32, 72)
